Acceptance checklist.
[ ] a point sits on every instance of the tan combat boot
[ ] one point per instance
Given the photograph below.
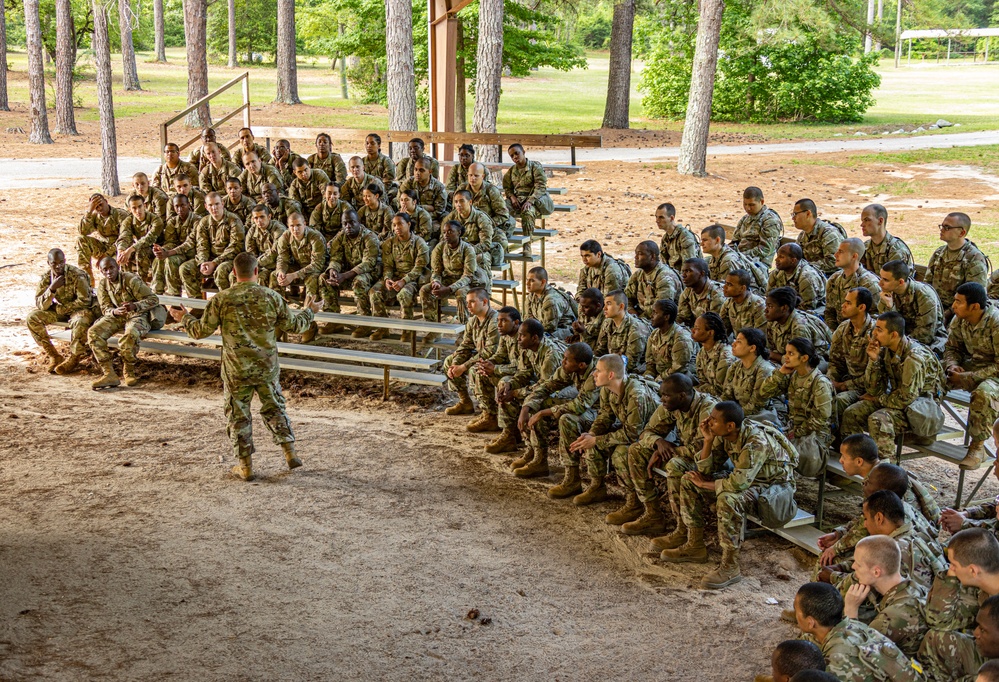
(108, 380)
(524, 459)
(377, 335)
(595, 492)
(484, 423)
(675, 539)
(289, 455)
(464, 406)
(507, 441)
(651, 522)
(330, 328)
(629, 511)
(359, 333)
(311, 333)
(128, 373)
(69, 365)
(538, 466)
(570, 485)
(406, 337)
(693, 551)
(55, 359)
(244, 469)
(432, 337)
(726, 574)
(975, 457)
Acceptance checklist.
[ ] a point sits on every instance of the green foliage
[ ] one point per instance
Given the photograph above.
(593, 28)
(256, 29)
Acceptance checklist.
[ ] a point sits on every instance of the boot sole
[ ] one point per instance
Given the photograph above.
(643, 531)
(520, 473)
(563, 495)
(586, 503)
(294, 464)
(684, 559)
(718, 586)
(611, 521)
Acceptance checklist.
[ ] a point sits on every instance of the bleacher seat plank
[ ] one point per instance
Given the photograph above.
(798, 531)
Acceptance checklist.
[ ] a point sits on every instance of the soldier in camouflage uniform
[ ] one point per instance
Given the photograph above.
(308, 185)
(678, 243)
(492, 366)
(327, 160)
(762, 457)
(551, 307)
(971, 362)
(257, 174)
(747, 374)
(154, 198)
(178, 247)
(854, 652)
(600, 270)
(652, 281)
(377, 165)
(129, 307)
(700, 295)
(251, 317)
(850, 276)
(432, 194)
(453, 270)
(247, 143)
(375, 215)
(422, 223)
(622, 333)
(586, 328)
(63, 294)
(262, 236)
(488, 198)
(99, 231)
(457, 175)
(800, 275)
(327, 217)
(354, 261)
(627, 402)
(743, 307)
(993, 287)
(809, 395)
(917, 302)
(670, 348)
(724, 259)
(301, 258)
(785, 323)
(281, 206)
(680, 414)
(714, 356)
(216, 170)
(281, 158)
(405, 169)
(139, 231)
(957, 262)
(526, 188)
(217, 239)
(199, 157)
(758, 233)
(182, 185)
(880, 247)
(818, 239)
(173, 167)
(405, 268)
(490, 246)
(237, 202)
(479, 340)
(848, 352)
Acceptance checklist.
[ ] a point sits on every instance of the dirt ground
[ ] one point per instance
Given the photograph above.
(128, 552)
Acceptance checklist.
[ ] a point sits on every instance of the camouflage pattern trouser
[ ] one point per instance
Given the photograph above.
(950, 655)
(843, 400)
(430, 302)
(484, 390)
(571, 427)
(542, 207)
(881, 422)
(538, 435)
(360, 284)
(79, 324)
(190, 276)
(639, 457)
(508, 412)
(311, 285)
(132, 330)
(984, 410)
(458, 384)
(598, 457)
(141, 263)
(93, 248)
(240, 424)
(382, 297)
(169, 270)
(732, 510)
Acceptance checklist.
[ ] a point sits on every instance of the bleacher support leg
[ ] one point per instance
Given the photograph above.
(385, 384)
(820, 505)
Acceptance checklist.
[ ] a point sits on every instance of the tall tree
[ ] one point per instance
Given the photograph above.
(232, 34)
(4, 106)
(489, 71)
(460, 89)
(105, 102)
(130, 77)
(36, 75)
(195, 32)
(694, 144)
(287, 67)
(619, 73)
(400, 74)
(159, 29)
(65, 60)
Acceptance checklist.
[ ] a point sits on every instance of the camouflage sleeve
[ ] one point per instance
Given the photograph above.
(316, 217)
(125, 236)
(631, 424)
(295, 192)
(452, 179)
(830, 243)
(339, 169)
(660, 425)
(468, 269)
(154, 234)
(420, 264)
(524, 376)
(86, 225)
(631, 290)
(508, 183)
(293, 322)
(635, 349)
(235, 245)
(274, 177)
(990, 370)
(400, 168)
(993, 288)
(440, 202)
(209, 322)
(542, 390)
(853, 532)
(549, 315)
(540, 181)
(681, 352)
(43, 297)
(605, 416)
(497, 208)
(820, 408)
(747, 466)
(601, 346)
(925, 330)
(485, 233)
(317, 264)
(913, 376)
(587, 397)
(837, 370)
(925, 500)
(283, 253)
(203, 248)
(758, 402)
(388, 264)
(614, 277)
(581, 281)
(437, 263)
(144, 297)
(775, 385)
(813, 288)
(689, 247)
(875, 380)
(955, 350)
(370, 260)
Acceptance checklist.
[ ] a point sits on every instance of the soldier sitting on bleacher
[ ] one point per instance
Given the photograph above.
(405, 169)
(791, 270)
(355, 261)
(956, 262)
(700, 295)
(421, 221)
(851, 274)
(490, 246)
(652, 280)
(917, 302)
(784, 323)
(586, 328)
(488, 198)
(454, 269)
(526, 188)
(433, 195)
(678, 243)
(600, 270)
(327, 217)
(554, 308)
(848, 350)
(743, 307)
(723, 259)
(818, 239)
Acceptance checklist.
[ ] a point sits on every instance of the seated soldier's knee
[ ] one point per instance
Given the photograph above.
(35, 320)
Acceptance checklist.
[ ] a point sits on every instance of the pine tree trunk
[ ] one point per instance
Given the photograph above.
(195, 32)
(65, 59)
(159, 29)
(105, 102)
(488, 73)
(232, 34)
(694, 144)
(400, 73)
(619, 73)
(287, 68)
(460, 88)
(36, 75)
(130, 77)
(343, 69)
(4, 106)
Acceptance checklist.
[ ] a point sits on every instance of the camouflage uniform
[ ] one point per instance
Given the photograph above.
(378, 221)
(848, 362)
(381, 167)
(328, 220)
(180, 235)
(197, 199)
(678, 247)
(947, 270)
(838, 286)
(993, 289)
(164, 176)
(333, 166)
(669, 351)
(975, 348)
(855, 652)
(809, 403)
(745, 386)
(456, 269)
(215, 241)
(821, 245)
(479, 340)
(264, 245)
(948, 650)
(133, 326)
(73, 302)
(533, 366)
(692, 305)
(212, 179)
(758, 236)
(156, 201)
(552, 309)
(306, 256)
(253, 184)
(283, 208)
(896, 380)
(951, 606)
(251, 317)
(457, 177)
(626, 339)
(241, 209)
(505, 359)
(921, 559)
(199, 159)
(749, 313)
(711, 367)
(406, 260)
(105, 231)
(891, 248)
(728, 260)
(609, 276)
(807, 281)
(689, 441)
(524, 183)
(489, 246)
(849, 535)
(924, 320)
(433, 196)
(360, 254)
(258, 149)
(799, 324)
(309, 194)
(762, 458)
(572, 399)
(423, 225)
(405, 167)
(489, 199)
(141, 235)
(591, 328)
(629, 413)
(645, 288)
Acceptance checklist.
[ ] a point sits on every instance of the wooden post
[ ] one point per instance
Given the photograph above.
(246, 99)
(385, 384)
(164, 138)
(443, 44)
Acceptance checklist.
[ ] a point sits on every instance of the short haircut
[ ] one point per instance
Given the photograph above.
(234, 180)
(784, 296)
(888, 476)
(374, 188)
(976, 546)
(669, 308)
(698, 264)
(880, 212)
(861, 445)
(807, 205)
(465, 193)
(962, 219)
(679, 381)
(244, 264)
(326, 135)
(591, 246)
(533, 327)
(419, 141)
(898, 269)
(139, 174)
(618, 297)
(864, 297)
(805, 347)
(261, 208)
(539, 271)
(455, 225)
(715, 231)
(479, 292)
(333, 183)
(855, 245)
(821, 601)
(752, 193)
(580, 352)
(135, 197)
(894, 322)
(212, 195)
(614, 363)
(756, 338)
(888, 504)
(794, 655)
(731, 412)
(714, 324)
(168, 145)
(651, 247)
(510, 312)
(813, 675)
(593, 294)
(743, 276)
(883, 552)
(294, 214)
(990, 669)
(793, 250)
(973, 292)
(423, 161)
(299, 162)
(516, 145)
(669, 208)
